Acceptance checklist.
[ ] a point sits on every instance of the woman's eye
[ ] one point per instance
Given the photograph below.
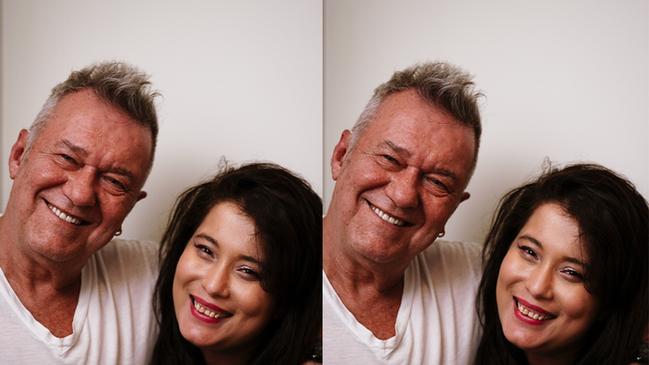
(249, 273)
(527, 252)
(204, 250)
(573, 275)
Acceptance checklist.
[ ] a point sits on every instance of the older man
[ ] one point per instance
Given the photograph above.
(389, 296)
(67, 295)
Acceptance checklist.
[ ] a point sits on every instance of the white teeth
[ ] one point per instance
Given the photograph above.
(530, 313)
(63, 216)
(386, 217)
(206, 311)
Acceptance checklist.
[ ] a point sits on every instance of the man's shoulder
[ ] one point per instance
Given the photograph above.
(453, 250)
(130, 248)
(452, 259)
(131, 255)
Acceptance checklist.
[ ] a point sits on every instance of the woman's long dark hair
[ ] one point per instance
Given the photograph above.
(613, 222)
(288, 221)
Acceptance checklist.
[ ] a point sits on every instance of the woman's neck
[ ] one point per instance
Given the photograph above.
(215, 357)
(565, 358)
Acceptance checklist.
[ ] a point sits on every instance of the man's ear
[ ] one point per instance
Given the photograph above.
(340, 151)
(142, 195)
(465, 196)
(17, 153)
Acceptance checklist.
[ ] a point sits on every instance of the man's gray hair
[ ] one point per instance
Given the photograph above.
(117, 83)
(439, 83)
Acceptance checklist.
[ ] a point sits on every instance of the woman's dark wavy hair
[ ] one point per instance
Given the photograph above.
(613, 224)
(288, 220)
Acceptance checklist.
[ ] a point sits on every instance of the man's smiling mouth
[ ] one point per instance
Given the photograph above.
(387, 217)
(64, 216)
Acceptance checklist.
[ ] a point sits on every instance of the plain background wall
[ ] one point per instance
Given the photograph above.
(564, 79)
(240, 79)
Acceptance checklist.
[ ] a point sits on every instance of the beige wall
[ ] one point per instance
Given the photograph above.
(568, 80)
(564, 80)
(240, 79)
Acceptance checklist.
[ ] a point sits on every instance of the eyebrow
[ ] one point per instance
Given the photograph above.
(216, 243)
(396, 148)
(76, 149)
(539, 244)
(405, 153)
(83, 153)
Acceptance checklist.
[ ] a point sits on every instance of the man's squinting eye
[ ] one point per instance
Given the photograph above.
(115, 183)
(437, 183)
(67, 159)
(390, 159)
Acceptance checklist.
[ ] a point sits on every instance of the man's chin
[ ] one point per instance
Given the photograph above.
(382, 253)
(58, 252)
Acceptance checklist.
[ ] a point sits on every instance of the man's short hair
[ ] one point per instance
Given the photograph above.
(117, 83)
(439, 83)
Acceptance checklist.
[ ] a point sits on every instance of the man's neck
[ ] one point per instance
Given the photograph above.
(49, 290)
(346, 268)
(30, 269)
(371, 292)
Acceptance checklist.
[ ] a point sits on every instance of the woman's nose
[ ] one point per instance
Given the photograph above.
(217, 281)
(539, 282)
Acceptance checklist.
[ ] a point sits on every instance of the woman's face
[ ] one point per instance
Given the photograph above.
(219, 302)
(543, 305)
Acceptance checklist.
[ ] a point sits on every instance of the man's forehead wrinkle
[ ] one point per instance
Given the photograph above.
(77, 149)
(425, 169)
(442, 171)
(83, 153)
(122, 171)
(396, 148)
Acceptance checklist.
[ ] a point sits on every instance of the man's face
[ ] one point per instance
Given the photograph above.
(80, 178)
(398, 185)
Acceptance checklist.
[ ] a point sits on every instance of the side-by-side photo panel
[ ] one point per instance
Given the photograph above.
(324, 182)
(162, 197)
(486, 175)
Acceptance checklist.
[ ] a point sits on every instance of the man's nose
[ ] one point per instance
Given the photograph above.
(80, 187)
(403, 188)
(216, 281)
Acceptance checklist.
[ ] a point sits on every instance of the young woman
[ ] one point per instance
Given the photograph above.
(240, 280)
(565, 278)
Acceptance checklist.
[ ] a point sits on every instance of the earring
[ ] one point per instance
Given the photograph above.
(441, 234)
(118, 232)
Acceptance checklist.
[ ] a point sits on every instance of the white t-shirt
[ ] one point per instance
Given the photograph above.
(113, 322)
(436, 323)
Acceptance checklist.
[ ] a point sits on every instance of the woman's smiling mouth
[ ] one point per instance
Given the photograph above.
(207, 312)
(530, 313)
